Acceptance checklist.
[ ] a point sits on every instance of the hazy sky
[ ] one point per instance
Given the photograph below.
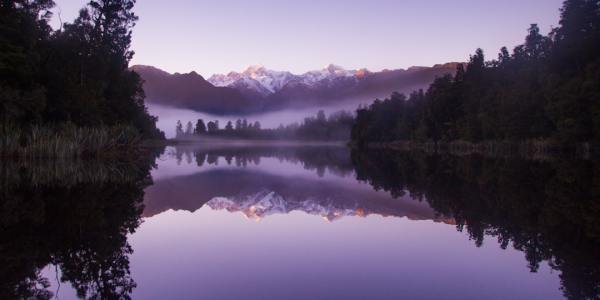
(220, 36)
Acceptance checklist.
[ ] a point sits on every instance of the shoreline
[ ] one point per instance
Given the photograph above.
(539, 149)
(249, 142)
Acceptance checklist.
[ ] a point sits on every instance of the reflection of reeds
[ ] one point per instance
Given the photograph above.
(66, 141)
(68, 172)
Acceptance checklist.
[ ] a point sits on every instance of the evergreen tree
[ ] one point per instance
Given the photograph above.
(200, 127)
(213, 127)
(546, 89)
(78, 74)
(179, 129)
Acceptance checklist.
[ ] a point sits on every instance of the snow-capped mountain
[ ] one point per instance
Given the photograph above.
(256, 77)
(329, 72)
(265, 203)
(258, 89)
(265, 81)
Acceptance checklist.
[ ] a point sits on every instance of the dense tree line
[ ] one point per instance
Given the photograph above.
(77, 74)
(547, 88)
(335, 127)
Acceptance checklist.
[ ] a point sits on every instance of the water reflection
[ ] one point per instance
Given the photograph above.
(261, 181)
(547, 209)
(333, 224)
(74, 215)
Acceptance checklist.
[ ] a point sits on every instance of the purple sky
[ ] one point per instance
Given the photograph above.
(220, 36)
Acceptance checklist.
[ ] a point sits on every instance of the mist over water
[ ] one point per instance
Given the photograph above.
(168, 116)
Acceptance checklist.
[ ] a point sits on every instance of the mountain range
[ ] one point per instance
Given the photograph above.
(261, 194)
(258, 89)
(316, 180)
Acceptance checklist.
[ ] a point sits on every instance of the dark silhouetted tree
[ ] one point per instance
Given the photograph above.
(213, 127)
(200, 127)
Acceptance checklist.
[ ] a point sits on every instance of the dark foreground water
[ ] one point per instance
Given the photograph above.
(300, 223)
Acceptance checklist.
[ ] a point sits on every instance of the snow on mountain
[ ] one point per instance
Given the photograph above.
(255, 77)
(224, 80)
(265, 81)
(252, 85)
(266, 203)
(271, 80)
(329, 72)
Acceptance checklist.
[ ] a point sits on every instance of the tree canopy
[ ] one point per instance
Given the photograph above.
(547, 88)
(76, 74)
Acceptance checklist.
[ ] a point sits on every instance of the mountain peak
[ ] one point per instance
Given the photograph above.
(331, 68)
(257, 79)
(255, 69)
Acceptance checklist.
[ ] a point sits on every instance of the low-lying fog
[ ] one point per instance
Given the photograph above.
(168, 116)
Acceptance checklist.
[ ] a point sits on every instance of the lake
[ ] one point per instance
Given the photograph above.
(258, 221)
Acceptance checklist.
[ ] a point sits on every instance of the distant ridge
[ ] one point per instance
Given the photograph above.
(191, 91)
(258, 89)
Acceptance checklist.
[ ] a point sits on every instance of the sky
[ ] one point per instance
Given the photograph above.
(211, 37)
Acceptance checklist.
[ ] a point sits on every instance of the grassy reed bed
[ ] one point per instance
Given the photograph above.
(66, 141)
(68, 172)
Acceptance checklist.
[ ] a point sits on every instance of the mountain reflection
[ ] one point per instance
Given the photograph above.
(225, 179)
(547, 209)
(77, 215)
(74, 215)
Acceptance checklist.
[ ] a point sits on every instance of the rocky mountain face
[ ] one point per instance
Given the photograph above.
(258, 89)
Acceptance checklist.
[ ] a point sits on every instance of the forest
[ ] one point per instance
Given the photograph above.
(55, 81)
(335, 127)
(547, 90)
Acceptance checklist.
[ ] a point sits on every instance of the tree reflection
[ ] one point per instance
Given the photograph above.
(72, 214)
(335, 159)
(547, 209)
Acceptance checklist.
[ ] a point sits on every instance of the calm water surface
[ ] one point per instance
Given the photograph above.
(258, 222)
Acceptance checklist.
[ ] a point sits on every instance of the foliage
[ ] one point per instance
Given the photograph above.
(67, 141)
(548, 88)
(76, 74)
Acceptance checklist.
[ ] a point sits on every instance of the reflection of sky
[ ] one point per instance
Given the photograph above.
(209, 254)
(214, 255)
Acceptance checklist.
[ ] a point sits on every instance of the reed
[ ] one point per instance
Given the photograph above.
(69, 172)
(66, 141)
